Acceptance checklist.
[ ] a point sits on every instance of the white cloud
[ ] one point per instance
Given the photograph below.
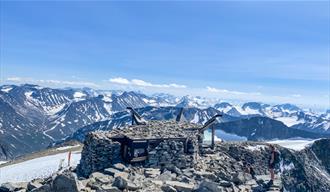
(225, 91)
(51, 82)
(142, 83)
(15, 79)
(119, 80)
(70, 83)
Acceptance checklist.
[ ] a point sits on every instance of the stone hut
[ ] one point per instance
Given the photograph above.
(156, 144)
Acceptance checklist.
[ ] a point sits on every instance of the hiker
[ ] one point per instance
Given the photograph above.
(273, 162)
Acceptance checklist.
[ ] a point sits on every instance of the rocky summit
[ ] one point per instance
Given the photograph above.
(178, 156)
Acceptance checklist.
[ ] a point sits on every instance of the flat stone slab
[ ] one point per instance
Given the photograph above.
(119, 166)
(111, 171)
(180, 186)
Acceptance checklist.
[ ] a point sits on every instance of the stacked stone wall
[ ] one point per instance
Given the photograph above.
(99, 152)
(171, 153)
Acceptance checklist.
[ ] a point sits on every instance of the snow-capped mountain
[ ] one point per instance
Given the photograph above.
(326, 115)
(227, 108)
(290, 115)
(31, 116)
(199, 102)
(264, 128)
(18, 134)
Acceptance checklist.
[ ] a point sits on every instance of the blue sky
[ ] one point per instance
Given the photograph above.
(272, 52)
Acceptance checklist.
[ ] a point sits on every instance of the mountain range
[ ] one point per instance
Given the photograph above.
(33, 117)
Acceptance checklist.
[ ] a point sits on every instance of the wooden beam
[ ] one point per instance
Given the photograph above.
(213, 134)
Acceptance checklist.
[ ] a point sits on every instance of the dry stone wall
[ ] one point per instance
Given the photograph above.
(99, 152)
(170, 153)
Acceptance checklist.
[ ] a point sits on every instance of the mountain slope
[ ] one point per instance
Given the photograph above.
(264, 128)
(18, 134)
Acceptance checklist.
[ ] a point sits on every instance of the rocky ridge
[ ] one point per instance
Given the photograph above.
(226, 168)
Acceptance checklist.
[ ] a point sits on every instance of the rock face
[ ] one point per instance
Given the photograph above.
(311, 168)
(321, 148)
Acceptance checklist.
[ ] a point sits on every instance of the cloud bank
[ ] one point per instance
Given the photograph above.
(52, 82)
(142, 83)
(225, 91)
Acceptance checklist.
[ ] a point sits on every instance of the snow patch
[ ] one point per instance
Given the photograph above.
(256, 148)
(229, 136)
(78, 96)
(2, 162)
(196, 118)
(107, 98)
(286, 167)
(295, 144)
(28, 95)
(289, 121)
(250, 111)
(6, 89)
(55, 109)
(36, 168)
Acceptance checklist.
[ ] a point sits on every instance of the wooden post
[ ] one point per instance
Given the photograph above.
(186, 145)
(69, 158)
(212, 140)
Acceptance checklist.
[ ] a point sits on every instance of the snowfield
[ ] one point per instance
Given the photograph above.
(36, 168)
(289, 121)
(2, 162)
(228, 136)
(295, 144)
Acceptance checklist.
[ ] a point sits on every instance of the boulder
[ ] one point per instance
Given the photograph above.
(180, 186)
(132, 186)
(6, 187)
(157, 182)
(188, 172)
(209, 186)
(35, 183)
(174, 169)
(119, 166)
(120, 182)
(102, 178)
(166, 176)
(122, 174)
(111, 171)
(13, 186)
(44, 188)
(239, 178)
(108, 188)
(150, 172)
(65, 182)
(93, 184)
(206, 174)
(168, 188)
(225, 184)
